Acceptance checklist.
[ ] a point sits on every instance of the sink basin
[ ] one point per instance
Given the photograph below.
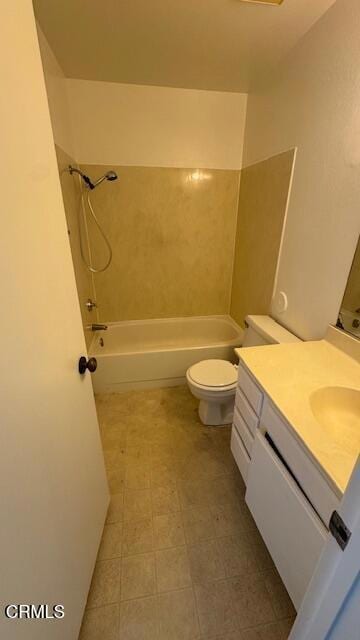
(337, 410)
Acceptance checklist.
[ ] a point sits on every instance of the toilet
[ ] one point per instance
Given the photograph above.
(214, 381)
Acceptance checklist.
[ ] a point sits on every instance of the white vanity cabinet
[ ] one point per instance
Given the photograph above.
(291, 529)
(248, 404)
(288, 496)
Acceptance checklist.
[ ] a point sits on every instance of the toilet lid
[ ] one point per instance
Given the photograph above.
(213, 373)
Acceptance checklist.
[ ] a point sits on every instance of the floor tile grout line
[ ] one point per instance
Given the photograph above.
(196, 610)
(151, 463)
(180, 589)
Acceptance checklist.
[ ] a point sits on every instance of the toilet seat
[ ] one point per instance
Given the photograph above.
(213, 375)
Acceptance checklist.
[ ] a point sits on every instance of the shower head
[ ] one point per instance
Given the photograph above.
(110, 175)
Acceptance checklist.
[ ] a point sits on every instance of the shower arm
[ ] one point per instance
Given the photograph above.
(86, 178)
(110, 175)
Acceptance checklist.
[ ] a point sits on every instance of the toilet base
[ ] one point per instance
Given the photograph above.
(216, 414)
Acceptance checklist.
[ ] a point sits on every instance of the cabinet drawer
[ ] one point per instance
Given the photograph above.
(246, 411)
(291, 529)
(307, 474)
(240, 454)
(244, 433)
(250, 389)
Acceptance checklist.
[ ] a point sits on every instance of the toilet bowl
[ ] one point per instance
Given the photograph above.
(213, 382)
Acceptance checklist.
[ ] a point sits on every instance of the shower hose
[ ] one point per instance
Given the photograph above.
(93, 215)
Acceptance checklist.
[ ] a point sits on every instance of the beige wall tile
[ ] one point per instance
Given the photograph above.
(71, 197)
(172, 238)
(262, 204)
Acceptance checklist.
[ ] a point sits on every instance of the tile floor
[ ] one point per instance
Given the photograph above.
(180, 558)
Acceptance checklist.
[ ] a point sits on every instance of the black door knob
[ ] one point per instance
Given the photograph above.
(90, 364)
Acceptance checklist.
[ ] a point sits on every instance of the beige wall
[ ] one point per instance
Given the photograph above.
(72, 204)
(172, 233)
(63, 137)
(124, 124)
(57, 96)
(312, 102)
(173, 242)
(263, 198)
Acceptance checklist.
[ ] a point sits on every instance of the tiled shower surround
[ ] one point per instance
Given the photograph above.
(172, 232)
(185, 242)
(181, 557)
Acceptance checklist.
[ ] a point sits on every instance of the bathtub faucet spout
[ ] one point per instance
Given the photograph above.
(97, 327)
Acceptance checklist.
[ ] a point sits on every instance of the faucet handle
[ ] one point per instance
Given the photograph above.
(89, 304)
(96, 327)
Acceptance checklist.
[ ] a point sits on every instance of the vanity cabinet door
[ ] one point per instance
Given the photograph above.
(240, 454)
(246, 411)
(243, 431)
(291, 529)
(250, 389)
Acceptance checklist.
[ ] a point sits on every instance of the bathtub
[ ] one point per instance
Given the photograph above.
(156, 353)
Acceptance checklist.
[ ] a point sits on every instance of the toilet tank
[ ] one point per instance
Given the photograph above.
(262, 330)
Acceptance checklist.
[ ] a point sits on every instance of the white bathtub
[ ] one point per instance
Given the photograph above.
(157, 353)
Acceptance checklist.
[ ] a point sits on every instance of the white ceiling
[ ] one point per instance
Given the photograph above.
(220, 45)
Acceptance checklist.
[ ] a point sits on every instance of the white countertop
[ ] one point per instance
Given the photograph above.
(288, 374)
